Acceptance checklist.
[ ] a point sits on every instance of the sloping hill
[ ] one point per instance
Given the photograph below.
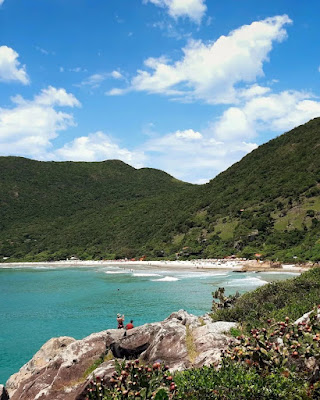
(84, 209)
(269, 203)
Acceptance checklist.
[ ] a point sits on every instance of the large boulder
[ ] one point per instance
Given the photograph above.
(63, 366)
(62, 376)
(41, 359)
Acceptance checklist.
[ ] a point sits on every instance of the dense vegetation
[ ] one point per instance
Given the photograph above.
(290, 298)
(267, 203)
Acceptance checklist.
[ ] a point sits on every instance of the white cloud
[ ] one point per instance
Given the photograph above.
(28, 128)
(116, 75)
(211, 71)
(44, 51)
(1, 2)
(95, 80)
(193, 9)
(10, 69)
(233, 125)
(188, 134)
(98, 147)
(197, 157)
(116, 92)
(194, 156)
(77, 69)
(171, 30)
(253, 91)
(274, 112)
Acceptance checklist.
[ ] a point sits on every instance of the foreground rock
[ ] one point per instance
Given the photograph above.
(62, 368)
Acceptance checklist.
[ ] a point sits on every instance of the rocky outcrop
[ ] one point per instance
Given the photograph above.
(62, 367)
(41, 359)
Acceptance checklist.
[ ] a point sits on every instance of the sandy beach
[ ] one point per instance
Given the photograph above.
(199, 265)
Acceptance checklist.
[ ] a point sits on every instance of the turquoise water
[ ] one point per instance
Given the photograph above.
(42, 302)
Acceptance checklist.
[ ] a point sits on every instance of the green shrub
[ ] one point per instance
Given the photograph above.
(292, 298)
(288, 346)
(134, 381)
(236, 382)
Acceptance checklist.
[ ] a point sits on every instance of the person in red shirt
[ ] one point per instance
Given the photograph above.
(129, 325)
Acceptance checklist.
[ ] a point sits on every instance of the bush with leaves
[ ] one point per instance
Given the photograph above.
(234, 381)
(132, 380)
(283, 345)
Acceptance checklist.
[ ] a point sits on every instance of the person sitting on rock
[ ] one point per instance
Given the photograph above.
(129, 325)
(120, 320)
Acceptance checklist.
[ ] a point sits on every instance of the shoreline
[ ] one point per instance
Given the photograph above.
(196, 265)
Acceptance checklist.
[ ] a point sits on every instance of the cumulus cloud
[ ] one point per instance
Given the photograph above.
(273, 112)
(193, 156)
(192, 9)
(98, 147)
(211, 71)
(199, 156)
(10, 69)
(28, 127)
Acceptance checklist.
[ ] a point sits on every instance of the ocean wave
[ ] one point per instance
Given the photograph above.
(280, 273)
(144, 274)
(166, 279)
(117, 272)
(202, 275)
(250, 281)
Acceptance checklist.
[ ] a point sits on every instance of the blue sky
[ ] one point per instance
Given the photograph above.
(186, 86)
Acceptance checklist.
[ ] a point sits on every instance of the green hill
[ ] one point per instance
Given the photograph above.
(269, 202)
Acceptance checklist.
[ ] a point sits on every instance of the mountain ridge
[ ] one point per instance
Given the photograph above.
(268, 203)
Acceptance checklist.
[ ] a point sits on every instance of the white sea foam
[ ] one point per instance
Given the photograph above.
(116, 272)
(245, 282)
(166, 279)
(202, 275)
(280, 273)
(144, 274)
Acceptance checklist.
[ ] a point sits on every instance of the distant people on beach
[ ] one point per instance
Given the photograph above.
(120, 320)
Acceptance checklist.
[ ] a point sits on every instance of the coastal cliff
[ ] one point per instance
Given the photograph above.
(63, 367)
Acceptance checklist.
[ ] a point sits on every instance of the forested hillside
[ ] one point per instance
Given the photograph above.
(267, 203)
